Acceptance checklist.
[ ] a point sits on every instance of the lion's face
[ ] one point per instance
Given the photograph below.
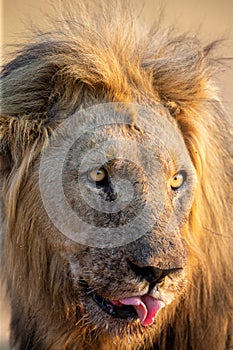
(108, 241)
(131, 188)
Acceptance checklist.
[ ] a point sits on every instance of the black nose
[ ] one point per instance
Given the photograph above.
(150, 273)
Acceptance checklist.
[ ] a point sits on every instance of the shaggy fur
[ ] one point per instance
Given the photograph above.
(103, 57)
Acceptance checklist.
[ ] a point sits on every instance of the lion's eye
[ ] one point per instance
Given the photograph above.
(177, 181)
(97, 175)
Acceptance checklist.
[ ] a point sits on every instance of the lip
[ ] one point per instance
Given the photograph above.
(126, 312)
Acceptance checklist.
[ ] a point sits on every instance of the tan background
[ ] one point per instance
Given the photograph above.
(211, 19)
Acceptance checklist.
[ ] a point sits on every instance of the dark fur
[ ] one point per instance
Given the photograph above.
(102, 58)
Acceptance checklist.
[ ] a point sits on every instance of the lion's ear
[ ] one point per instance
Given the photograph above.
(181, 70)
(33, 89)
(42, 82)
(26, 85)
(25, 93)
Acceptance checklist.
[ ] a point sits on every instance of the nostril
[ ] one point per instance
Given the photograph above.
(150, 273)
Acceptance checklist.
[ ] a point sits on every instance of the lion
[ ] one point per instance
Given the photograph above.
(116, 189)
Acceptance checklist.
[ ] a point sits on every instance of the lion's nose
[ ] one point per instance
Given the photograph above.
(150, 273)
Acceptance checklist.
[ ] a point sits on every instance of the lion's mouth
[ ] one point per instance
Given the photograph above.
(123, 311)
(143, 307)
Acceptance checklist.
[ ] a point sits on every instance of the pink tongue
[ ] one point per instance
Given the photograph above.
(145, 306)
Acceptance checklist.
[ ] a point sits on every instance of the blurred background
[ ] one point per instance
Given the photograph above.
(208, 19)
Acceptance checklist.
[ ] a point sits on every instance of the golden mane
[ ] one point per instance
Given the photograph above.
(101, 56)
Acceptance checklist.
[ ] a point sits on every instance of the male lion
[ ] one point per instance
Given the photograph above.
(116, 190)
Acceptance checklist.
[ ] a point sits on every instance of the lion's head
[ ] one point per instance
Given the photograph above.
(115, 191)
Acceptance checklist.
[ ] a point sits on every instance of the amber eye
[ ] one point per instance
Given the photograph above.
(177, 181)
(97, 175)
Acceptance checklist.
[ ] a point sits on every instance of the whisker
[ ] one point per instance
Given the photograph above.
(216, 233)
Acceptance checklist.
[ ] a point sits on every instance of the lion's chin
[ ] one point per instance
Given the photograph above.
(144, 308)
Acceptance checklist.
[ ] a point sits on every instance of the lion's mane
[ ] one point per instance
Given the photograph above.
(94, 57)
